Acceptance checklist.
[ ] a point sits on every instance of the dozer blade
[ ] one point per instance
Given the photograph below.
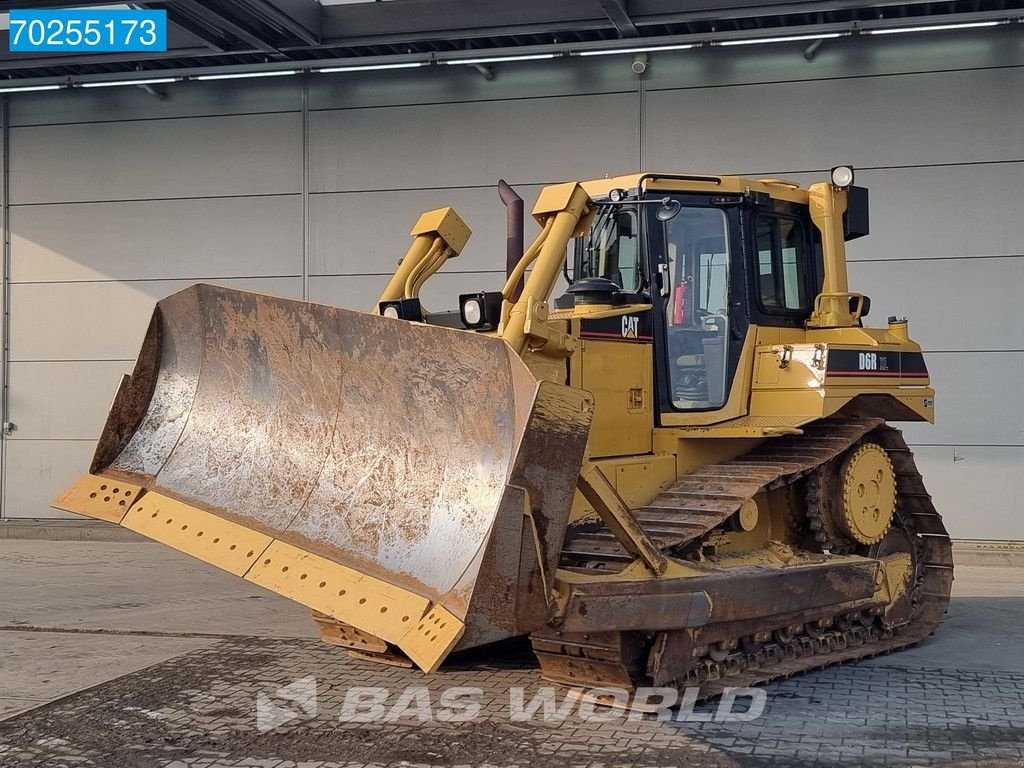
(411, 481)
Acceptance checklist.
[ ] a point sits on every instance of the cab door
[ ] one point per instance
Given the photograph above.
(700, 303)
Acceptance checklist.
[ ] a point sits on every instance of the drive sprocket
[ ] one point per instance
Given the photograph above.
(851, 500)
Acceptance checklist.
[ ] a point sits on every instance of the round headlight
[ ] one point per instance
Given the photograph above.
(842, 176)
(617, 195)
(390, 311)
(472, 312)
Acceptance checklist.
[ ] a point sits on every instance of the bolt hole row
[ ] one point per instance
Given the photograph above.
(199, 534)
(341, 592)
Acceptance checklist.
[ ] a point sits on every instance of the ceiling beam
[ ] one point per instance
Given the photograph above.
(185, 24)
(300, 18)
(406, 21)
(615, 10)
(210, 16)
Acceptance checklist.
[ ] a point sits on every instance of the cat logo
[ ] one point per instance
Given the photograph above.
(630, 327)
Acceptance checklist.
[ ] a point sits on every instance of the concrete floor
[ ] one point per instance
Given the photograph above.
(75, 615)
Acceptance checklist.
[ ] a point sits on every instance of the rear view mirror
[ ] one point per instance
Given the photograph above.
(855, 220)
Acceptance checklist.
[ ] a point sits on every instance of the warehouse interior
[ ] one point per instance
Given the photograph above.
(245, 165)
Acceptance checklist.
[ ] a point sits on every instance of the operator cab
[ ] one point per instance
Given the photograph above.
(710, 265)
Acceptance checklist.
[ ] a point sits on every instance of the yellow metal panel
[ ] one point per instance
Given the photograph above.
(637, 479)
(619, 376)
(553, 198)
(367, 603)
(99, 497)
(196, 532)
(432, 638)
(691, 455)
(792, 405)
(634, 483)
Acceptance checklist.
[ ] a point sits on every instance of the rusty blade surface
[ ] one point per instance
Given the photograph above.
(380, 444)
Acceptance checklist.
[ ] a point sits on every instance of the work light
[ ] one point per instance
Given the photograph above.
(402, 309)
(480, 311)
(842, 176)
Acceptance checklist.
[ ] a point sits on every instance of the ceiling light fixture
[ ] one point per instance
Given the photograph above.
(112, 83)
(646, 49)
(372, 67)
(783, 39)
(26, 88)
(936, 27)
(498, 59)
(240, 75)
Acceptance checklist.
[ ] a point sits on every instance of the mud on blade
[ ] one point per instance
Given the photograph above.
(409, 480)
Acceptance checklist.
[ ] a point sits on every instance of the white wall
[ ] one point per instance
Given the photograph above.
(117, 199)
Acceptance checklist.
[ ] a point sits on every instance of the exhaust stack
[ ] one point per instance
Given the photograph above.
(514, 238)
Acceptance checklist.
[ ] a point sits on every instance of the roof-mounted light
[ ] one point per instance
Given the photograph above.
(842, 176)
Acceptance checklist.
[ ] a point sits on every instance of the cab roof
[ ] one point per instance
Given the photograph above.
(780, 189)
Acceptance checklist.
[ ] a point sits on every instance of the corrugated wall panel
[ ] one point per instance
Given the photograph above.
(44, 390)
(954, 304)
(157, 159)
(158, 239)
(117, 105)
(38, 470)
(977, 489)
(471, 144)
(975, 394)
(916, 119)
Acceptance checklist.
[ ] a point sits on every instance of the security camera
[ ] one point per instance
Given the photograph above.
(640, 63)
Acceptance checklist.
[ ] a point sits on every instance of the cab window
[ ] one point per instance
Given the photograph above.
(611, 249)
(783, 265)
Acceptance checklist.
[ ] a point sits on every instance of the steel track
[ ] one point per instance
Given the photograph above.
(771, 466)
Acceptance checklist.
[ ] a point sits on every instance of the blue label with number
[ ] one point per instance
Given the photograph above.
(87, 30)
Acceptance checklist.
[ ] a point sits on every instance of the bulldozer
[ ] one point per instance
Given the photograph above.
(679, 472)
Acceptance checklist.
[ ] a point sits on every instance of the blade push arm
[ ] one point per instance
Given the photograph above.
(564, 211)
(438, 236)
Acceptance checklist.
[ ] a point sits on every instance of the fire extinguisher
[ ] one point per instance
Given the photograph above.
(679, 303)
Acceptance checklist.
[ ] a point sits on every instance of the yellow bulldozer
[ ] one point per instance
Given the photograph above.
(680, 473)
